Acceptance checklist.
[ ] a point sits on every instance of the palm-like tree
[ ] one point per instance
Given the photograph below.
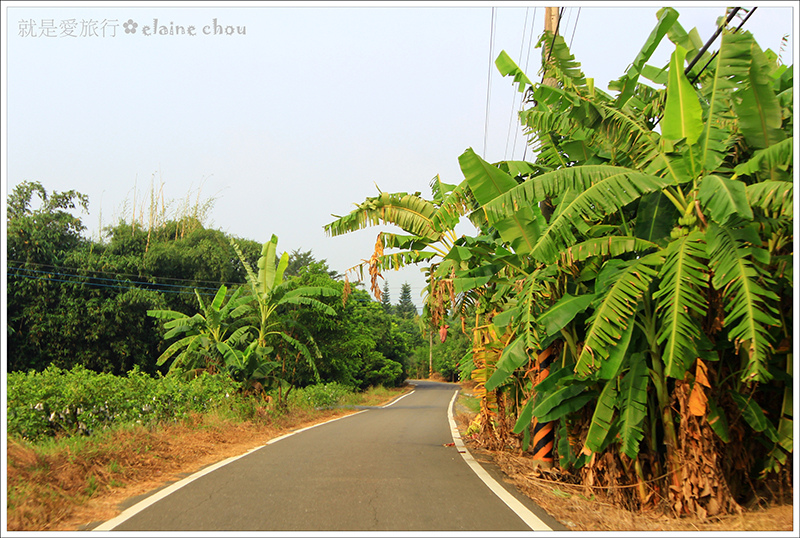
(678, 241)
(659, 273)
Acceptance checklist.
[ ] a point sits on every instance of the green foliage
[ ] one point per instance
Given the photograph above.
(386, 299)
(405, 306)
(321, 395)
(648, 245)
(79, 401)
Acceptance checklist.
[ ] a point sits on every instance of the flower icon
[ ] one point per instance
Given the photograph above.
(130, 27)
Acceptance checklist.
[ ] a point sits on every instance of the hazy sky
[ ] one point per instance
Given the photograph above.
(299, 113)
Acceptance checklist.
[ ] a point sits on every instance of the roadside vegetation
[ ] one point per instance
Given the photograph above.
(163, 329)
(627, 296)
(78, 476)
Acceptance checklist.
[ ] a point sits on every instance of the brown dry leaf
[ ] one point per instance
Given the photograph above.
(698, 400)
(701, 374)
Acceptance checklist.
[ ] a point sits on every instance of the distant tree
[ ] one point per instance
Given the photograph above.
(299, 261)
(68, 303)
(405, 307)
(386, 300)
(46, 234)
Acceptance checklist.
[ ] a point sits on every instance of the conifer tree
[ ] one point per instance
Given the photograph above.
(386, 300)
(405, 308)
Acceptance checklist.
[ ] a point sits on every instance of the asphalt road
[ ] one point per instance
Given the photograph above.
(384, 469)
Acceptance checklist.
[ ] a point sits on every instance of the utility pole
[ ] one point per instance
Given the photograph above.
(543, 434)
(550, 25)
(430, 354)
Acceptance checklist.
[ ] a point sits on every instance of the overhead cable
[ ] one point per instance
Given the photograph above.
(710, 41)
(514, 100)
(489, 83)
(100, 285)
(571, 39)
(21, 270)
(716, 52)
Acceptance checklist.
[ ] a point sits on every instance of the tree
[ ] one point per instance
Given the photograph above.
(386, 299)
(405, 307)
(658, 276)
(66, 303)
(46, 234)
(299, 261)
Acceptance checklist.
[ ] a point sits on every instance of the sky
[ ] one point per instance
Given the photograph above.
(284, 114)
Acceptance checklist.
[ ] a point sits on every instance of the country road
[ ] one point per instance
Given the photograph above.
(383, 469)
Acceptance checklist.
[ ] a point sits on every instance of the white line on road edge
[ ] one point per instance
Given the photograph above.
(138, 507)
(530, 519)
(397, 400)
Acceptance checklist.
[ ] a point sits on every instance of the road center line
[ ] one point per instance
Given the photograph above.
(530, 519)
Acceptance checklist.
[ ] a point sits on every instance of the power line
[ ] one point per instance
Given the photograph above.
(514, 100)
(522, 102)
(489, 83)
(20, 270)
(553, 42)
(99, 285)
(574, 28)
(711, 40)
(122, 274)
(717, 51)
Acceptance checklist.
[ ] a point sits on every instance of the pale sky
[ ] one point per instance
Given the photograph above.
(299, 113)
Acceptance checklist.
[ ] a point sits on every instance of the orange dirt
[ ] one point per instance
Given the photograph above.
(580, 510)
(53, 491)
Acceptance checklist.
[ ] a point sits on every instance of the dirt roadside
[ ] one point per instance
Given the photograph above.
(179, 451)
(581, 511)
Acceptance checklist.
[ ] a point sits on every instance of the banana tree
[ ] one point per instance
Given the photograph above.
(428, 228)
(217, 324)
(677, 245)
(269, 297)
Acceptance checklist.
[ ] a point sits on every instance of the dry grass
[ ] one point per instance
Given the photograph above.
(67, 485)
(581, 510)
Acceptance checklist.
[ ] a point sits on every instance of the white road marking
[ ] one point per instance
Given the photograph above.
(142, 505)
(530, 519)
(397, 400)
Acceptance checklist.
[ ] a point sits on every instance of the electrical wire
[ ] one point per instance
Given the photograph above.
(711, 40)
(215, 282)
(717, 51)
(522, 103)
(553, 42)
(514, 100)
(20, 270)
(489, 83)
(98, 285)
(571, 39)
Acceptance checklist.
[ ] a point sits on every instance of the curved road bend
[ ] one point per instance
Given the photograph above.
(385, 469)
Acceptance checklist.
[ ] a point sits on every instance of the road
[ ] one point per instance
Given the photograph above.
(383, 469)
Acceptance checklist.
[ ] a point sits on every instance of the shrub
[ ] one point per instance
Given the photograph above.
(320, 395)
(79, 401)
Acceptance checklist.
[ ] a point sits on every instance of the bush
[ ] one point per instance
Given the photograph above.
(42, 404)
(321, 395)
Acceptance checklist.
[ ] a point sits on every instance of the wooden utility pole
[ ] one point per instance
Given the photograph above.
(543, 432)
(550, 25)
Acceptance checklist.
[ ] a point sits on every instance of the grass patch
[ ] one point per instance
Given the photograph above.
(470, 402)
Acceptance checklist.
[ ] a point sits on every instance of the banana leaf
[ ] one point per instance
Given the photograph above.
(724, 198)
(754, 416)
(683, 116)
(514, 356)
(602, 418)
